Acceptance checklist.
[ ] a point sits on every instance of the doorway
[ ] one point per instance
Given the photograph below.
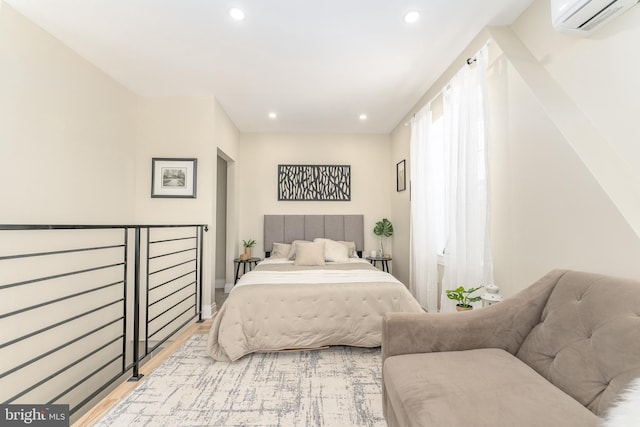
(221, 230)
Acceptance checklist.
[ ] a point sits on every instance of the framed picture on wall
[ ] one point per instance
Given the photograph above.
(174, 177)
(320, 183)
(401, 177)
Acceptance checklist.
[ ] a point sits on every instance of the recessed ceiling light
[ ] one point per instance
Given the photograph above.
(363, 117)
(272, 115)
(411, 17)
(236, 14)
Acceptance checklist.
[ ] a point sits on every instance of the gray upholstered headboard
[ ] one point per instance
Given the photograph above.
(287, 228)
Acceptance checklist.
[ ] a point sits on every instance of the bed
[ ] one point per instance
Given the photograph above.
(312, 290)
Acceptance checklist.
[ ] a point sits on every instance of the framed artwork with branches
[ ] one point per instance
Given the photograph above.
(314, 183)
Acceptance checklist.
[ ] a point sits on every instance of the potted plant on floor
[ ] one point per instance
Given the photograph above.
(383, 228)
(463, 296)
(248, 244)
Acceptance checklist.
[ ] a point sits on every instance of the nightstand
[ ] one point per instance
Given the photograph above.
(383, 260)
(251, 262)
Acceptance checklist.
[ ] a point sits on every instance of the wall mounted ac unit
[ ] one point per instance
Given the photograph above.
(583, 17)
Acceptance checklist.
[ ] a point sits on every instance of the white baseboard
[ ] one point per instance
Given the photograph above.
(228, 287)
(208, 311)
(219, 283)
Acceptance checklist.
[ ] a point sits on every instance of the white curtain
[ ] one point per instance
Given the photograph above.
(424, 251)
(450, 190)
(467, 256)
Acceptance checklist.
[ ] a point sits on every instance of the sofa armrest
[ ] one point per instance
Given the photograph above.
(504, 325)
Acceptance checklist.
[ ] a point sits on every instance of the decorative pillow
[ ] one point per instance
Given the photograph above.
(292, 251)
(626, 411)
(309, 253)
(280, 250)
(351, 247)
(334, 251)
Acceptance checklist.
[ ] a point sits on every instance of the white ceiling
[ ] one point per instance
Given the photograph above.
(318, 64)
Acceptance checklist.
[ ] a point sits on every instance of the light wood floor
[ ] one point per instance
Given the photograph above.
(123, 390)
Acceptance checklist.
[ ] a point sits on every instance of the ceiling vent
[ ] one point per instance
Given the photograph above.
(583, 17)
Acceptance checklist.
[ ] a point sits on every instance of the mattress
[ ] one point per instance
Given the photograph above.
(280, 306)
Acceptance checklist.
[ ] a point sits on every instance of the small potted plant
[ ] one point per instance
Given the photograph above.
(248, 244)
(383, 228)
(463, 296)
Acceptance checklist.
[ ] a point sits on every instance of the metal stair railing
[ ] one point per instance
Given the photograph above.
(75, 319)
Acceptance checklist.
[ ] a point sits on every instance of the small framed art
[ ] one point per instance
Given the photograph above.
(174, 177)
(401, 177)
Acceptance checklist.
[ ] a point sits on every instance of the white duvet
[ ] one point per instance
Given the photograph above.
(279, 306)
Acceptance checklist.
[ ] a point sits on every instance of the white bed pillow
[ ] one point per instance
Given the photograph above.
(280, 250)
(626, 411)
(309, 253)
(330, 252)
(336, 252)
(352, 248)
(292, 251)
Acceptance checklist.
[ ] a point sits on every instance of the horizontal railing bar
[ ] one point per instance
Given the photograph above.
(57, 276)
(173, 266)
(88, 227)
(172, 320)
(53, 301)
(173, 333)
(84, 379)
(171, 240)
(172, 280)
(61, 370)
(97, 392)
(66, 251)
(60, 347)
(55, 325)
(171, 294)
(172, 253)
(171, 308)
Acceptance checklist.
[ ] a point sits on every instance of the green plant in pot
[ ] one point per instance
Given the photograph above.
(383, 228)
(248, 244)
(463, 296)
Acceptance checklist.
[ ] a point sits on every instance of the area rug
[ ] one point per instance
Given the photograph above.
(337, 386)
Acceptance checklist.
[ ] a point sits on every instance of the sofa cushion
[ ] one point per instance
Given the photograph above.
(484, 387)
(588, 340)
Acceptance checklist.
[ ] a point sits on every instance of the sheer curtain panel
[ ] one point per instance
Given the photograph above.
(450, 190)
(424, 214)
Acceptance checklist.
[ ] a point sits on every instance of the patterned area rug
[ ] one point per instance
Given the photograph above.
(338, 386)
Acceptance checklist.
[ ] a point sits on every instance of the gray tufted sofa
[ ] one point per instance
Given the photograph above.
(556, 354)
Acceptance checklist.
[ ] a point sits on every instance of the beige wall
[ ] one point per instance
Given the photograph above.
(553, 205)
(187, 127)
(76, 146)
(372, 178)
(599, 73)
(548, 210)
(67, 133)
(561, 198)
(227, 140)
(400, 204)
(577, 109)
(226, 134)
(175, 127)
